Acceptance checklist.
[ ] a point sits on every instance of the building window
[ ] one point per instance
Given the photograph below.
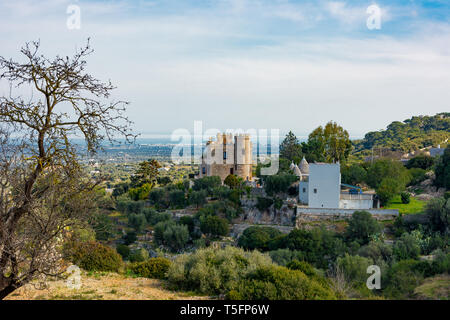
(224, 155)
(304, 190)
(315, 190)
(231, 171)
(204, 170)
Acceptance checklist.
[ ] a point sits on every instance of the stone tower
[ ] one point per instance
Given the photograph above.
(227, 155)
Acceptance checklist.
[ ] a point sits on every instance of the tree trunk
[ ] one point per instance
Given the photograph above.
(6, 287)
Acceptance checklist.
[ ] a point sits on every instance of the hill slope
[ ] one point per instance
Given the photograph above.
(409, 135)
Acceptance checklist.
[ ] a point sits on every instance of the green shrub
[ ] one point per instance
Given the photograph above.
(257, 237)
(123, 250)
(302, 266)
(154, 268)
(93, 256)
(207, 183)
(177, 198)
(407, 247)
(438, 211)
(172, 235)
(354, 268)
(388, 188)
(214, 226)
(421, 161)
(284, 256)
(406, 197)
(279, 283)
(418, 175)
(378, 251)
(153, 217)
(130, 237)
(214, 271)
(278, 183)
(317, 246)
(139, 255)
(361, 227)
(402, 278)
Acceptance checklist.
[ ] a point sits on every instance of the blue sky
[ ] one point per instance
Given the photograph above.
(291, 65)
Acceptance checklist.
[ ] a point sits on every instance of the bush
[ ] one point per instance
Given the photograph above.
(387, 169)
(361, 227)
(422, 161)
(170, 234)
(214, 271)
(130, 237)
(137, 221)
(233, 181)
(157, 195)
(153, 217)
(177, 198)
(354, 268)
(354, 174)
(214, 226)
(278, 183)
(317, 246)
(263, 203)
(279, 283)
(388, 188)
(438, 211)
(176, 237)
(406, 197)
(407, 247)
(140, 193)
(284, 256)
(378, 251)
(154, 268)
(198, 198)
(257, 237)
(139, 255)
(402, 279)
(123, 250)
(442, 170)
(417, 176)
(207, 183)
(93, 256)
(128, 206)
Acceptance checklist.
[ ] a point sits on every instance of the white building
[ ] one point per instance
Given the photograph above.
(320, 187)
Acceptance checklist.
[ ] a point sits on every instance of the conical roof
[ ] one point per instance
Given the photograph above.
(291, 167)
(304, 166)
(297, 171)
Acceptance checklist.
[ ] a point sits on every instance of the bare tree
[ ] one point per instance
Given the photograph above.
(43, 192)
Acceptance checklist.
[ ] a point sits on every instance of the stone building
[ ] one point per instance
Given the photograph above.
(228, 154)
(320, 187)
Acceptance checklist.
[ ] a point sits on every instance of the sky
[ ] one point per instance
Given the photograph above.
(251, 64)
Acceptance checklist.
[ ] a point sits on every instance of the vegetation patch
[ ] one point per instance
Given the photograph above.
(414, 206)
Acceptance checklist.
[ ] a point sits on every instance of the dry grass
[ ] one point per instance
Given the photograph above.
(435, 288)
(109, 286)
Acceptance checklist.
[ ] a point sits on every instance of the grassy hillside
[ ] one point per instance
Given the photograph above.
(414, 206)
(409, 135)
(103, 286)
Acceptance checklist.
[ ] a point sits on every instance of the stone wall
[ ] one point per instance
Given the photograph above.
(318, 214)
(283, 216)
(239, 228)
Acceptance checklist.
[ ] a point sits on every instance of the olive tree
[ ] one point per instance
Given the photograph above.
(43, 190)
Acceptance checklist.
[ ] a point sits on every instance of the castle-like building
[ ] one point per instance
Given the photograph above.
(229, 154)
